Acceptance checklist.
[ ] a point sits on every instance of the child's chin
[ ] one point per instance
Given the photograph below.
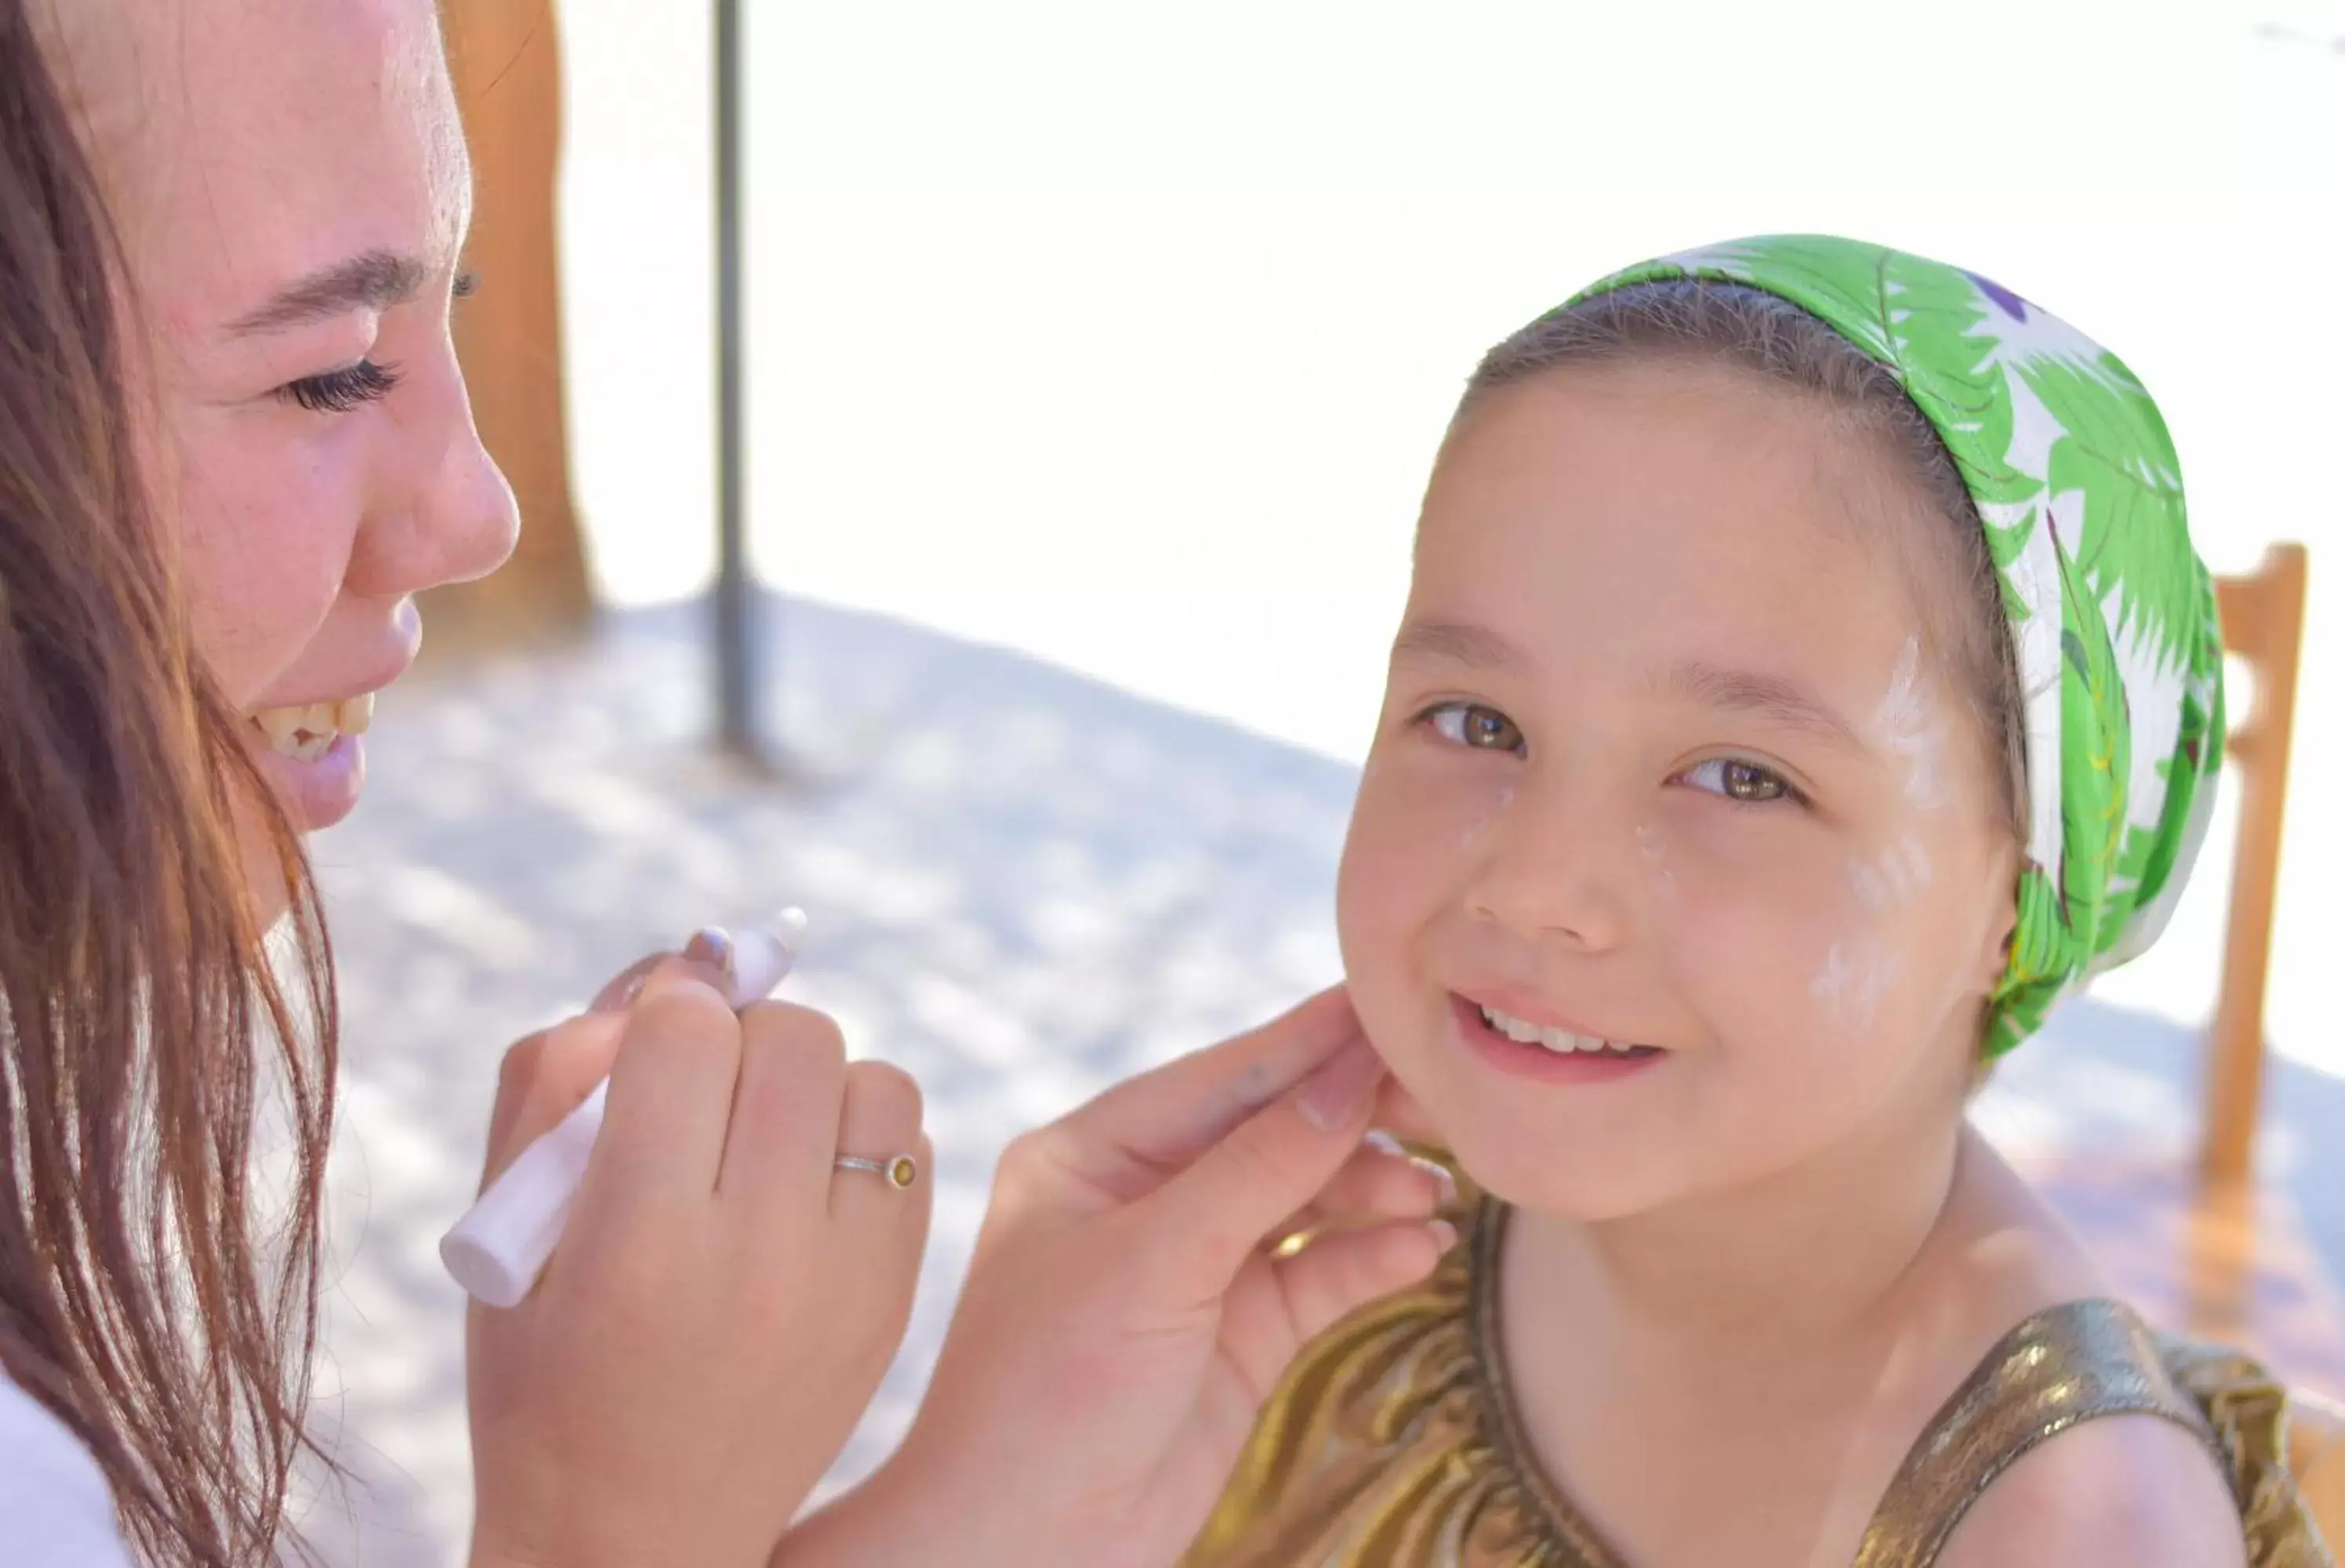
(1537, 1175)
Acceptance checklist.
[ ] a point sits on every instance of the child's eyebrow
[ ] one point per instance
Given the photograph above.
(1456, 643)
(1784, 701)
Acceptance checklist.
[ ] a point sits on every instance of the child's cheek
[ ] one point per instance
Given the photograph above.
(1417, 827)
(1780, 936)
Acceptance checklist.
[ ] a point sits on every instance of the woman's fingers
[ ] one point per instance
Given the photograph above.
(1375, 1185)
(1124, 1141)
(783, 1127)
(1398, 1114)
(880, 1122)
(542, 1080)
(671, 1093)
(1217, 1213)
(545, 1075)
(1347, 1269)
(614, 997)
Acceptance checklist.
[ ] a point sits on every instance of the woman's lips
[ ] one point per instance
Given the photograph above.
(313, 756)
(1541, 1063)
(322, 789)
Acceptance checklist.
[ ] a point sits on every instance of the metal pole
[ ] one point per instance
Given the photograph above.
(734, 608)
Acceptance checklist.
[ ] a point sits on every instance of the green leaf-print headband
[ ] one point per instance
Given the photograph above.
(2112, 614)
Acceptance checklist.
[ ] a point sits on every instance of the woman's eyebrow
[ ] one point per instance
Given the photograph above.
(371, 280)
(1784, 702)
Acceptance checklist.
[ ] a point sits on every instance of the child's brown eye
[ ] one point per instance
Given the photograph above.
(1472, 724)
(1739, 781)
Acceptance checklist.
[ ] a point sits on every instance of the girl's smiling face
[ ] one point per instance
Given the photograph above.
(290, 187)
(1667, 760)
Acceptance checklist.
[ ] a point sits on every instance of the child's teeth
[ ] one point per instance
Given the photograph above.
(1562, 1041)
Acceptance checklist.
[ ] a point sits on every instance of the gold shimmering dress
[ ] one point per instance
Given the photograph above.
(1393, 1441)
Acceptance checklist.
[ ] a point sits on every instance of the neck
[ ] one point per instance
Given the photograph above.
(1820, 1256)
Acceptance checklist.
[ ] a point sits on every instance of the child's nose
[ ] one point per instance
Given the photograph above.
(1551, 868)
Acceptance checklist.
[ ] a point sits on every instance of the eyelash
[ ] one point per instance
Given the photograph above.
(1787, 792)
(1433, 716)
(340, 391)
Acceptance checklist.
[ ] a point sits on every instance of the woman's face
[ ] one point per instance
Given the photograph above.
(290, 185)
(1666, 766)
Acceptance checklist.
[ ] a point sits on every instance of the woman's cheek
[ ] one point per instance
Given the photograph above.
(266, 523)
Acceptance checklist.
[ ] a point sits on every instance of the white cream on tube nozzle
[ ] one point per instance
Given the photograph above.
(499, 1248)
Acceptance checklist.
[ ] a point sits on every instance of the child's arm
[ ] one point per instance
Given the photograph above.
(2127, 1491)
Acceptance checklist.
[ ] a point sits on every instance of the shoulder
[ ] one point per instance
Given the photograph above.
(52, 1493)
(2134, 1490)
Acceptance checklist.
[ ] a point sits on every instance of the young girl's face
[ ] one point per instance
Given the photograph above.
(1667, 761)
(291, 190)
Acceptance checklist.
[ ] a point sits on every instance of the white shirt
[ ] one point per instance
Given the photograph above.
(55, 1509)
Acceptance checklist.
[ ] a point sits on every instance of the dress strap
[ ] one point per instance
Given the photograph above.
(2074, 1362)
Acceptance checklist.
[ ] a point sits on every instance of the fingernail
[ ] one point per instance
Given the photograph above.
(1337, 1094)
(621, 994)
(1441, 1176)
(1445, 1235)
(712, 946)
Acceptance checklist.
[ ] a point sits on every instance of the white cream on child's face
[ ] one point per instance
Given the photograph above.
(1661, 762)
(1908, 726)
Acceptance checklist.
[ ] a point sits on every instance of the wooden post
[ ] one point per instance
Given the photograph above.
(505, 59)
(2263, 621)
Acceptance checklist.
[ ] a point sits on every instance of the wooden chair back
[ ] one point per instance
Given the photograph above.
(2263, 623)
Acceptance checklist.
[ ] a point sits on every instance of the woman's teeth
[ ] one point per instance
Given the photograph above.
(307, 732)
(1524, 1032)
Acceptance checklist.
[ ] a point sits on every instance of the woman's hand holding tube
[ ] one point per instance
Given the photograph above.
(724, 1300)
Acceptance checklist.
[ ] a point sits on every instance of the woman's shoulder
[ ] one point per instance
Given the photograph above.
(52, 1493)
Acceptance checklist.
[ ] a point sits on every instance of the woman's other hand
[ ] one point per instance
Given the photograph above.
(1127, 1310)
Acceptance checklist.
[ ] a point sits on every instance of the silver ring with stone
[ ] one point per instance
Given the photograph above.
(898, 1170)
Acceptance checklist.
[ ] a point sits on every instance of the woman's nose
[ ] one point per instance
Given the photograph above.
(448, 515)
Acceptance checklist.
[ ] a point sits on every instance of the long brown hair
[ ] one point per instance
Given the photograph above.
(150, 1296)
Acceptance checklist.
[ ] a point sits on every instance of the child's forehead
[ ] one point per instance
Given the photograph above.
(1557, 488)
(1710, 446)
(1627, 539)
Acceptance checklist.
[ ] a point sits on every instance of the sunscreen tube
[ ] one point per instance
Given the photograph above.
(499, 1248)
